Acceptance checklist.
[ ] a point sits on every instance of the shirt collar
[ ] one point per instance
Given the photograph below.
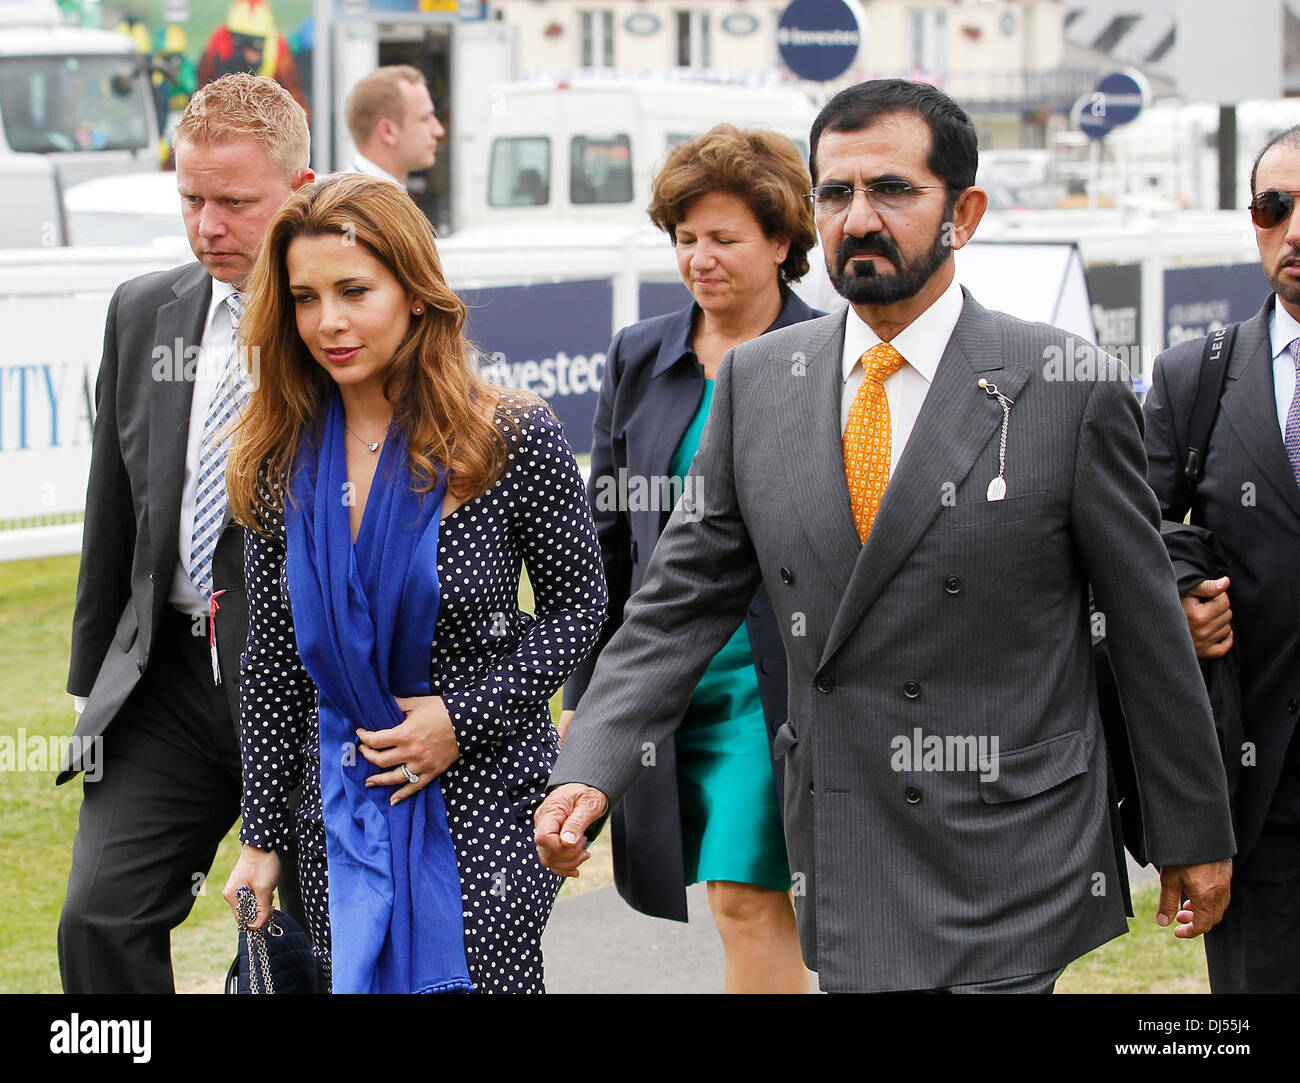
(220, 291)
(921, 342)
(677, 341)
(366, 166)
(1282, 329)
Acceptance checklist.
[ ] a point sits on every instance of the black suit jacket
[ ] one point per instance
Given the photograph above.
(1249, 499)
(652, 387)
(130, 542)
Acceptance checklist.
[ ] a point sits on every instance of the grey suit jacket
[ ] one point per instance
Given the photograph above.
(961, 619)
(1249, 498)
(133, 500)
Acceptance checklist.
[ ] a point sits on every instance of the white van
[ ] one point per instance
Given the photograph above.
(587, 152)
(74, 104)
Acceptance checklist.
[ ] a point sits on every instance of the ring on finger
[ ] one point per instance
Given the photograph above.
(411, 776)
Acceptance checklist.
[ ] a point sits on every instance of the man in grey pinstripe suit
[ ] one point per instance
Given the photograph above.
(947, 805)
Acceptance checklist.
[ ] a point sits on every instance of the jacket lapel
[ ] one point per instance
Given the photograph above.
(1250, 407)
(179, 326)
(956, 422)
(807, 390)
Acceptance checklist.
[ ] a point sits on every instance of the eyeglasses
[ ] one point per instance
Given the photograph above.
(885, 196)
(1272, 207)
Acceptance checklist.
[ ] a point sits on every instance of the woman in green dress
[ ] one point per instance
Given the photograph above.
(733, 203)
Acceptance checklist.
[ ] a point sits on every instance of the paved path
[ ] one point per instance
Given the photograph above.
(596, 943)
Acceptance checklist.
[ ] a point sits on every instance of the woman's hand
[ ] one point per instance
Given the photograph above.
(259, 870)
(563, 725)
(425, 742)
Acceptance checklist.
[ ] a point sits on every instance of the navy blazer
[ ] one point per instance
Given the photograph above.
(652, 386)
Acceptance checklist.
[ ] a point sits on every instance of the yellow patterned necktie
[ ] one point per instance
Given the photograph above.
(867, 437)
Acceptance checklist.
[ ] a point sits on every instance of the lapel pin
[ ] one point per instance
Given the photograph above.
(998, 486)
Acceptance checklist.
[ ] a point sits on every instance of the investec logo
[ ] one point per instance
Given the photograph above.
(792, 35)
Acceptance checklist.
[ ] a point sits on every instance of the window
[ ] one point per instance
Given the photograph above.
(597, 39)
(694, 46)
(929, 40)
(600, 169)
(73, 103)
(521, 172)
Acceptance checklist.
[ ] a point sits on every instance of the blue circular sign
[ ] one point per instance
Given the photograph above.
(1116, 100)
(1122, 97)
(818, 39)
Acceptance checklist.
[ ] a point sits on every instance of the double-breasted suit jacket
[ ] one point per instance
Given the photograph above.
(133, 503)
(961, 619)
(652, 387)
(1249, 498)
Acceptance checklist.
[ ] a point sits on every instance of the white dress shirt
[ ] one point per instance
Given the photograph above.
(362, 164)
(921, 343)
(218, 338)
(1282, 329)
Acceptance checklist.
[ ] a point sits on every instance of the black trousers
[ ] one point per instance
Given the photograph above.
(1256, 947)
(150, 826)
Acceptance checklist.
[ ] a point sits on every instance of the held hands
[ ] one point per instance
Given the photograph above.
(260, 870)
(1208, 617)
(1207, 890)
(562, 821)
(425, 742)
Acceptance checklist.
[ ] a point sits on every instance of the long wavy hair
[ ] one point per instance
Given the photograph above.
(441, 404)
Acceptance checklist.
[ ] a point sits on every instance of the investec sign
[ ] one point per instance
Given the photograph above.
(819, 39)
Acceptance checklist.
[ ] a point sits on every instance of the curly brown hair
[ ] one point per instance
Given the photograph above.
(762, 167)
(441, 404)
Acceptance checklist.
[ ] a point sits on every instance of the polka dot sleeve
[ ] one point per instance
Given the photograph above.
(277, 697)
(550, 520)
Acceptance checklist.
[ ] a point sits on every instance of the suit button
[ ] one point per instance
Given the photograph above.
(754, 611)
(139, 665)
(810, 790)
(825, 685)
(952, 584)
(1291, 705)
(912, 795)
(765, 666)
(633, 552)
(786, 577)
(911, 689)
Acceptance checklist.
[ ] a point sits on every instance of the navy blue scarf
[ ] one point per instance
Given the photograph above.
(364, 619)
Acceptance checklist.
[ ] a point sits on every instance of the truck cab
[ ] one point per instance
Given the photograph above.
(75, 104)
(588, 152)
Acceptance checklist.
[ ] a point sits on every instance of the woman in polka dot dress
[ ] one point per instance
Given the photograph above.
(362, 352)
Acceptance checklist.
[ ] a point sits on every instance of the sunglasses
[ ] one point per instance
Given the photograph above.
(1271, 208)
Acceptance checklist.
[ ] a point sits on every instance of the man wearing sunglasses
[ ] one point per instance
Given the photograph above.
(1249, 497)
(927, 503)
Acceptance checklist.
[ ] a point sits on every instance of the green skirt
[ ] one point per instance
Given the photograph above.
(731, 816)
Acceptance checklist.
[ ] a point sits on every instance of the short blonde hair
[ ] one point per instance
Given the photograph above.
(250, 107)
(379, 95)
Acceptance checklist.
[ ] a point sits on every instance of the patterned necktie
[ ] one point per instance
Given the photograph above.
(1292, 436)
(210, 498)
(867, 437)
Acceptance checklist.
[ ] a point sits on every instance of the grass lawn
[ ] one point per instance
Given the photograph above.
(38, 821)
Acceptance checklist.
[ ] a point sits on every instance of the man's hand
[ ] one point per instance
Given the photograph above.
(562, 821)
(1207, 889)
(1208, 617)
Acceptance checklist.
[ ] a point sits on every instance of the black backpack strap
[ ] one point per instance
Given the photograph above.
(1205, 407)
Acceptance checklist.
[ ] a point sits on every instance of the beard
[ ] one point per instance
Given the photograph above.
(864, 284)
(1287, 289)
